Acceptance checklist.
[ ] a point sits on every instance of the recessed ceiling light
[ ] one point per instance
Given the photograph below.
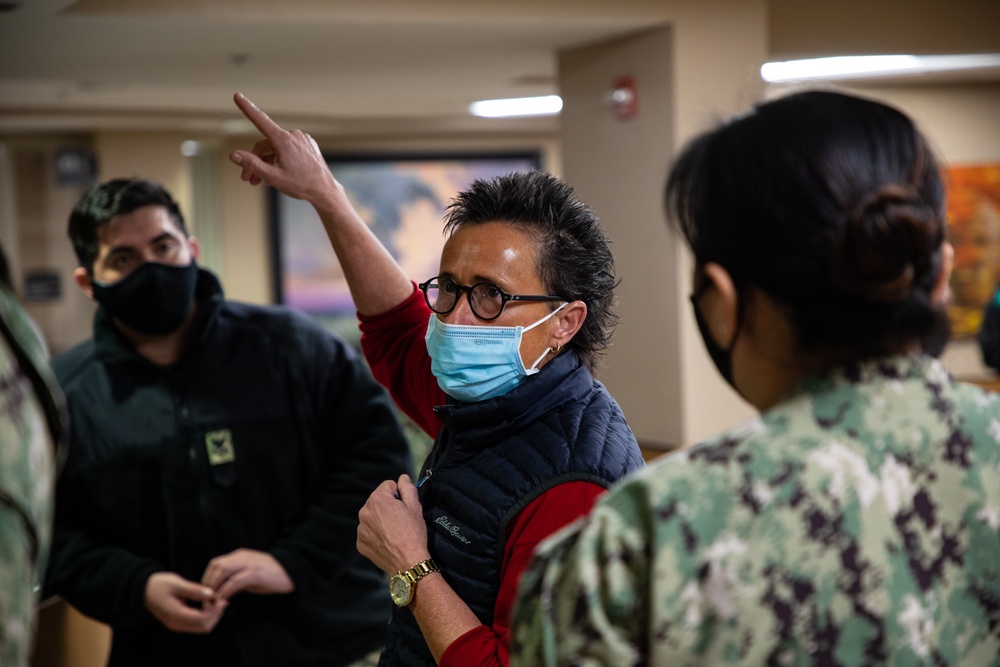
(546, 105)
(853, 67)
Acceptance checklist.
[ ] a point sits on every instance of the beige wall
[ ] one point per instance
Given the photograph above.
(717, 69)
(687, 75)
(825, 27)
(35, 213)
(243, 232)
(617, 165)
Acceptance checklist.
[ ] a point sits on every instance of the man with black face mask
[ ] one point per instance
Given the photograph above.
(221, 454)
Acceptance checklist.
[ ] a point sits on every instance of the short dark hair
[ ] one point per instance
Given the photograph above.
(574, 259)
(831, 203)
(107, 200)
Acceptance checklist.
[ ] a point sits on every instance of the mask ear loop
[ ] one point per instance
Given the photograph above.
(533, 369)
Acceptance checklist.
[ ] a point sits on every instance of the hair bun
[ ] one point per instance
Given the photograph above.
(888, 246)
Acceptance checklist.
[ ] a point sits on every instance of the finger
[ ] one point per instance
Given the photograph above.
(246, 173)
(388, 487)
(264, 148)
(224, 578)
(215, 606)
(253, 166)
(213, 575)
(198, 621)
(190, 590)
(218, 569)
(260, 119)
(211, 614)
(364, 514)
(214, 613)
(248, 176)
(233, 585)
(408, 491)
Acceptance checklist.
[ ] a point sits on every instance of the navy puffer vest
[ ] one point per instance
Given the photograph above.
(493, 458)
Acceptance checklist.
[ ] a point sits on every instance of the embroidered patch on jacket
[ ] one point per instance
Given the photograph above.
(220, 447)
(451, 528)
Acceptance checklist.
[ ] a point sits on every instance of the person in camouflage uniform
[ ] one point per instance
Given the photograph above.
(857, 521)
(30, 427)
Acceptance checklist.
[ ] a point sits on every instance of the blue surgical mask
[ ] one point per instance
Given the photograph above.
(476, 363)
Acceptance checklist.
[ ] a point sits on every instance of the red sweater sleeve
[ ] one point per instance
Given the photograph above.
(393, 343)
(543, 516)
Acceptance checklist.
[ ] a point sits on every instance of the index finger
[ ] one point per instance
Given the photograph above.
(253, 113)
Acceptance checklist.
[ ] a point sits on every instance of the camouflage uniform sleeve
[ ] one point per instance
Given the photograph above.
(580, 600)
(27, 473)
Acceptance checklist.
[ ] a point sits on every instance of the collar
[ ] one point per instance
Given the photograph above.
(898, 368)
(563, 380)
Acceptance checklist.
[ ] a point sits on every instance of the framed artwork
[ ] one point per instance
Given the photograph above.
(402, 198)
(974, 229)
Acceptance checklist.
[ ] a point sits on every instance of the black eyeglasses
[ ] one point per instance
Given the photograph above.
(486, 299)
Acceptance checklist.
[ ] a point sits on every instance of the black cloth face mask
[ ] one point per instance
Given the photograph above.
(721, 357)
(154, 299)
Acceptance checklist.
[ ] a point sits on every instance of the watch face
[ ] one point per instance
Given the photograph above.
(400, 590)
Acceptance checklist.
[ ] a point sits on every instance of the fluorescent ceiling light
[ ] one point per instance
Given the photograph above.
(518, 106)
(852, 67)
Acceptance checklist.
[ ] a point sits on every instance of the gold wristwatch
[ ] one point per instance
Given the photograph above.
(402, 584)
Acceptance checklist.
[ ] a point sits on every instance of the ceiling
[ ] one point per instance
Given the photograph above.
(339, 65)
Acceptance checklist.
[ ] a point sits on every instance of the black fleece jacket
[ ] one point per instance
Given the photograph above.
(268, 434)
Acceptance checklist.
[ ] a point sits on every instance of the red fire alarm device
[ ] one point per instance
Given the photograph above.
(623, 97)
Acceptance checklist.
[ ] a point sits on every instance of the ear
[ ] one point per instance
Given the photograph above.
(83, 281)
(195, 248)
(940, 294)
(568, 322)
(719, 304)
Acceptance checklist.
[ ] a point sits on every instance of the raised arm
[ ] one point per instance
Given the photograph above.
(291, 162)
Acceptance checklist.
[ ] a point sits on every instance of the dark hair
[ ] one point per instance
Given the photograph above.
(574, 258)
(830, 203)
(103, 202)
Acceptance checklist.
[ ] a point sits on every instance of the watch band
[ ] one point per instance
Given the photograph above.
(420, 570)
